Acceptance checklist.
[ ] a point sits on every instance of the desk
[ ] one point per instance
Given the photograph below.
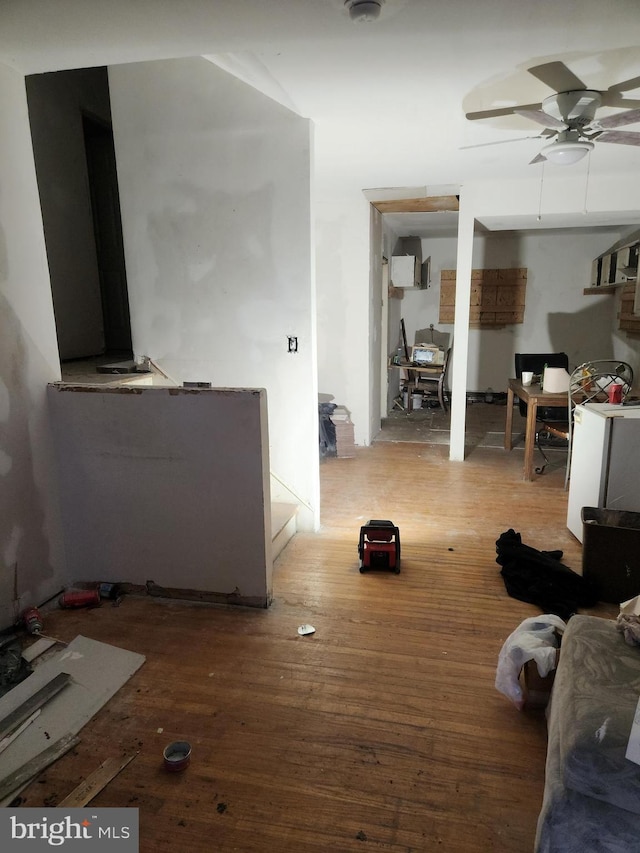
(432, 372)
(533, 396)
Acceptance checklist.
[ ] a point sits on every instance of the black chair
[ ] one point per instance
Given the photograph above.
(535, 362)
(546, 416)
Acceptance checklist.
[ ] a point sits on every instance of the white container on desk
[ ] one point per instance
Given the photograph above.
(605, 461)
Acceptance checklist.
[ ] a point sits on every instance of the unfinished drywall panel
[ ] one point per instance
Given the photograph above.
(167, 485)
(31, 554)
(215, 183)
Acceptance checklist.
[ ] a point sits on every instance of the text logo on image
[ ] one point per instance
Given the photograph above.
(79, 830)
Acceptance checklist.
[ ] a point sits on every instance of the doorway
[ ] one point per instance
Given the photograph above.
(107, 229)
(433, 222)
(70, 118)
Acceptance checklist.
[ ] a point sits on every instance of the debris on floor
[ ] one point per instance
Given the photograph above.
(80, 598)
(41, 645)
(13, 667)
(67, 689)
(177, 756)
(95, 782)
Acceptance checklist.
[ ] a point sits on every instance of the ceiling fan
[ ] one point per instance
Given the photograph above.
(569, 115)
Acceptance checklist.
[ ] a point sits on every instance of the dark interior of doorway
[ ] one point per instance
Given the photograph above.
(74, 157)
(107, 226)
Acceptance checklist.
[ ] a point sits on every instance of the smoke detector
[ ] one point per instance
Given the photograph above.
(364, 10)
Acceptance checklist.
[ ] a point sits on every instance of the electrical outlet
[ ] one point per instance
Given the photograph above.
(292, 345)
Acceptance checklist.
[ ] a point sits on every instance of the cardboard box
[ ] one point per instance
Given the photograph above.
(535, 689)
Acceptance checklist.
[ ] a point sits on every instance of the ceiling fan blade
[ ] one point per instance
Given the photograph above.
(539, 158)
(499, 142)
(614, 96)
(615, 99)
(557, 76)
(542, 118)
(626, 85)
(621, 137)
(624, 104)
(628, 117)
(500, 111)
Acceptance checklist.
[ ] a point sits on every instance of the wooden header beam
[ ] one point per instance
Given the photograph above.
(427, 204)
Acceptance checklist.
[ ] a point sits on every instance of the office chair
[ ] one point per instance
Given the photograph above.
(546, 416)
(535, 362)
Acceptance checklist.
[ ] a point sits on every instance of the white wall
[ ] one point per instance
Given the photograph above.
(343, 304)
(215, 184)
(30, 526)
(394, 316)
(168, 485)
(559, 266)
(558, 317)
(375, 317)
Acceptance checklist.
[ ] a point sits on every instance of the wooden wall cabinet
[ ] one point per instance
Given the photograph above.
(497, 297)
(629, 321)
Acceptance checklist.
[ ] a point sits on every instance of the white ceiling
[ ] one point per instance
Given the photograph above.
(388, 99)
(438, 224)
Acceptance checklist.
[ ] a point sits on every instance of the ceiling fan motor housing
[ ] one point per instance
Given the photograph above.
(575, 108)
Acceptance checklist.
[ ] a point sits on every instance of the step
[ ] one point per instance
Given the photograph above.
(283, 526)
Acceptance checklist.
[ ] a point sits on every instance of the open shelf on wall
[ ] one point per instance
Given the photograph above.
(619, 270)
(603, 288)
(615, 268)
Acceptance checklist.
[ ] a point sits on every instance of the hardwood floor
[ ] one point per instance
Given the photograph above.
(381, 731)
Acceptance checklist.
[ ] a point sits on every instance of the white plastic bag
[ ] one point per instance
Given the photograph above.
(534, 639)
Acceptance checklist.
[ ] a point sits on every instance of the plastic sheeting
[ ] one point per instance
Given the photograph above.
(534, 639)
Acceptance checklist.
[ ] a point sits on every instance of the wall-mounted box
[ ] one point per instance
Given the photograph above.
(406, 271)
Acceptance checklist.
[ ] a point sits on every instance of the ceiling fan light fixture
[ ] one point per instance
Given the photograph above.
(362, 11)
(566, 153)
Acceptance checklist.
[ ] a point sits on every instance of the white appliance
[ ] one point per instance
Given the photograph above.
(605, 461)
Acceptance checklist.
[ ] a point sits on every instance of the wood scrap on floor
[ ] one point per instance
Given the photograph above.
(36, 764)
(40, 646)
(94, 783)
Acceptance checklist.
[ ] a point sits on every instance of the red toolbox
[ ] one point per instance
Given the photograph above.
(379, 546)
